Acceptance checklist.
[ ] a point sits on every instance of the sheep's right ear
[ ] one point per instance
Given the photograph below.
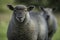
(10, 7)
(54, 9)
(30, 7)
(42, 8)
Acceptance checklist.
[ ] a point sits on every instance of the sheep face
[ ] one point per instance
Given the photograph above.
(47, 12)
(20, 11)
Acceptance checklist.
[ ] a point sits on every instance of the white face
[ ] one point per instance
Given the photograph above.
(48, 10)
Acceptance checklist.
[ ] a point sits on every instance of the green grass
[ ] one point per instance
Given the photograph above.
(3, 5)
(4, 21)
(57, 34)
(3, 29)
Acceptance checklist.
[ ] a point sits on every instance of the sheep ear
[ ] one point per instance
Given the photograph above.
(10, 7)
(30, 8)
(53, 9)
(42, 8)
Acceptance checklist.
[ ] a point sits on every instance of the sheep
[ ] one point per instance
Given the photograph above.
(26, 25)
(51, 21)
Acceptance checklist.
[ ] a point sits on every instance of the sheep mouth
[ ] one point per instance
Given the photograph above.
(20, 19)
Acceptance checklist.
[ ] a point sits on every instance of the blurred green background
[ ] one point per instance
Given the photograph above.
(5, 14)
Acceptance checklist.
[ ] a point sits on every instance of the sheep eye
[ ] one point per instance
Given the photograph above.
(25, 10)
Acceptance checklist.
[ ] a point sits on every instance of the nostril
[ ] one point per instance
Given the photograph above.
(20, 17)
(48, 16)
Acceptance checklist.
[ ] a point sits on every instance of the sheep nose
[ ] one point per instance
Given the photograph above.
(19, 17)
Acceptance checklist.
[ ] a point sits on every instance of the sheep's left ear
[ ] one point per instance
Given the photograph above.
(53, 9)
(30, 8)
